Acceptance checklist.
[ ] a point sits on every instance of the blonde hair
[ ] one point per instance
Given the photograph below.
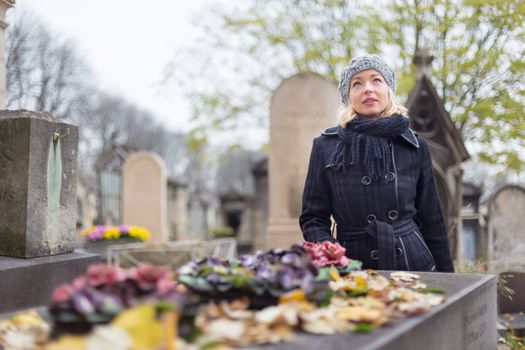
(347, 113)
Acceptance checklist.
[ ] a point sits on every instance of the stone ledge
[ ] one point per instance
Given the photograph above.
(466, 321)
(26, 283)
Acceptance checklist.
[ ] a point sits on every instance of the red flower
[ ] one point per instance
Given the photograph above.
(102, 274)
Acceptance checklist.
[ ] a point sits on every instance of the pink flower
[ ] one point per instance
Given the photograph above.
(62, 293)
(101, 274)
(165, 285)
(333, 251)
(79, 283)
(344, 261)
(323, 261)
(313, 249)
(326, 253)
(147, 275)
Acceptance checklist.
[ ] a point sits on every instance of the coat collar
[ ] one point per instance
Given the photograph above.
(410, 137)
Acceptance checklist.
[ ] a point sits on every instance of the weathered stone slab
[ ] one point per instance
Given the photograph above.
(301, 108)
(28, 283)
(506, 247)
(38, 158)
(144, 195)
(466, 321)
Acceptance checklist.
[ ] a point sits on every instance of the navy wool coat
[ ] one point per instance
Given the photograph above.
(392, 223)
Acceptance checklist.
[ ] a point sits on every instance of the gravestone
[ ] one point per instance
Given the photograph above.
(506, 246)
(37, 208)
(38, 159)
(301, 108)
(144, 195)
(4, 6)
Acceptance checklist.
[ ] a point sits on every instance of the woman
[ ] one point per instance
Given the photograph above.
(374, 176)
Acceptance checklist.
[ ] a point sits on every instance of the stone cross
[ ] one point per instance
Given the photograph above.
(38, 159)
(144, 194)
(301, 108)
(422, 60)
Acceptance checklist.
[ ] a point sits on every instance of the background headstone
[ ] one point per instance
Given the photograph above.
(38, 159)
(144, 194)
(506, 229)
(4, 6)
(301, 108)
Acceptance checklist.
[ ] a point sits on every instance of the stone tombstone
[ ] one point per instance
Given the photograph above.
(506, 229)
(301, 108)
(144, 194)
(38, 159)
(4, 6)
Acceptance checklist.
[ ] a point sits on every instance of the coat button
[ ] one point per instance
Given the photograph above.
(399, 252)
(366, 180)
(374, 254)
(392, 214)
(370, 218)
(390, 176)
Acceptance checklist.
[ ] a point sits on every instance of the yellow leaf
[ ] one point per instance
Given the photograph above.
(143, 327)
(294, 295)
(334, 274)
(67, 342)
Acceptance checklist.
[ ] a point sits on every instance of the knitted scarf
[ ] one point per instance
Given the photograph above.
(365, 141)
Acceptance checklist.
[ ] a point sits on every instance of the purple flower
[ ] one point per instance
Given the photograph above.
(215, 278)
(265, 274)
(82, 304)
(124, 228)
(189, 268)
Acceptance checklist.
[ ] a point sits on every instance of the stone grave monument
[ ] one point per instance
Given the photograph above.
(145, 204)
(4, 6)
(37, 208)
(301, 108)
(144, 195)
(506, 247)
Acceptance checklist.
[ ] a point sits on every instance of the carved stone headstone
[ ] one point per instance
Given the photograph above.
(38, 159)
(4, 6)
(301, 108)
(506, 229)
(144, 194)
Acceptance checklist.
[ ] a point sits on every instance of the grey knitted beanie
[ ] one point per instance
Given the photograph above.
(359, 64)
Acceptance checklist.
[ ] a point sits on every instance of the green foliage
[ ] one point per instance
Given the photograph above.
(471, 267)
(478, 67)
(222, 231)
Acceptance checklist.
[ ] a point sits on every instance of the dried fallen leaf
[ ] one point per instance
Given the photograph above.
(359, 314)
(225, 330)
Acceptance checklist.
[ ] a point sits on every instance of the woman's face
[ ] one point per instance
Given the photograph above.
(368, 94)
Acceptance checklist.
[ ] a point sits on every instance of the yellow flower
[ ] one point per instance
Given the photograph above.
(139, 233)
(88, 230)
(112, 233)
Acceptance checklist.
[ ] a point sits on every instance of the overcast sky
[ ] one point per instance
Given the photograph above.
(127, 43)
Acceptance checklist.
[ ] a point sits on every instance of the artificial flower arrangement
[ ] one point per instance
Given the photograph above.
(104, 232)
(264, 277)
(313, 288)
